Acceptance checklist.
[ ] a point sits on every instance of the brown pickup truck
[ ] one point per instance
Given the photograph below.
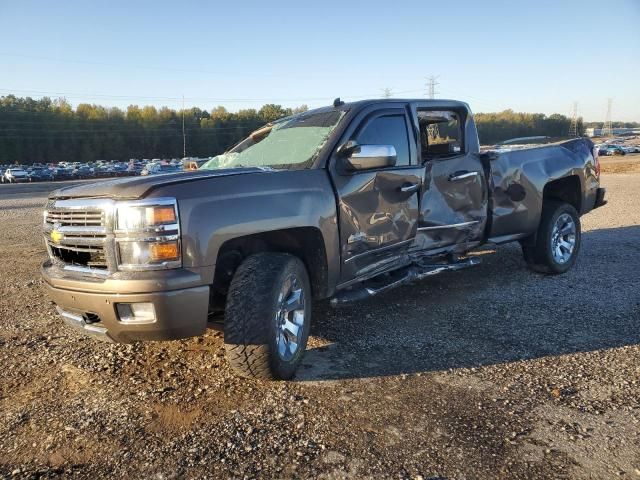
(342, 202)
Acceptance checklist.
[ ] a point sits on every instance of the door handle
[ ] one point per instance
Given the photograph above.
(454, 177)
(409, 188)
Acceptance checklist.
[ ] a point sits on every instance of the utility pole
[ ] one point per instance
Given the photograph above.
(573, 127)
(432, 130)
(386, 92)
(607, 131)
(184, 136)
(432, 83)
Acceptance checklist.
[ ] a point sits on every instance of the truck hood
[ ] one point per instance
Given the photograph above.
(137, 187)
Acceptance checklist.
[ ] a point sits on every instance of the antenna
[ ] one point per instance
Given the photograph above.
(184, 137)
(607, 131)
(573, 127)
(432, 130)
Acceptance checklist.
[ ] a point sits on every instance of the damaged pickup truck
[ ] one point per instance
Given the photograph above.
(343, 202)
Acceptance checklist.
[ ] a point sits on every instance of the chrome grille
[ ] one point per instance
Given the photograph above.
(75, 218)
(77, 233)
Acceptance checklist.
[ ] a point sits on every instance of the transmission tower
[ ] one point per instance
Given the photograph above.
(607, 131)
(573, 128)
(386, 92)
(432, 130)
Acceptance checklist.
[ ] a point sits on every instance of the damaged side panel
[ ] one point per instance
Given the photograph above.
(454, 203)
(518, 181)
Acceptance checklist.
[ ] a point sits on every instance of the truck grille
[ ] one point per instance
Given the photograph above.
(77, 233)
(75, 218)
(93, 257)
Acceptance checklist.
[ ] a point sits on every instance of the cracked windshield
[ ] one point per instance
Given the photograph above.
(292, 143)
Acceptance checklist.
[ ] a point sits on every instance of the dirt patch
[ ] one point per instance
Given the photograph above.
(630, 167)
(492, 372)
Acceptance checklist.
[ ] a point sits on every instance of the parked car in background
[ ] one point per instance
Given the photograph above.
(611, 150)
(40, 174)
(14, 175)
(157, 168)
(82, 171)
(193, 163)
(62, 173)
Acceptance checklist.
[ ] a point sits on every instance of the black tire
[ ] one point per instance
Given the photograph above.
(541, 257)
(252, 325)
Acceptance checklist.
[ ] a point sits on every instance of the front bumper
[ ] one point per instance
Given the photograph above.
(600, 201)
(179, 313)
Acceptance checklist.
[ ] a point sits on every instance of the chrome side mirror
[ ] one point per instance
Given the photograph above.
(366, 157)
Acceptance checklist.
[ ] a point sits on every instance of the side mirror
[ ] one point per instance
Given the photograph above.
(367, 157)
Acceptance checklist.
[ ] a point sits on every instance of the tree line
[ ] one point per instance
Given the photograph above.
(51, 130)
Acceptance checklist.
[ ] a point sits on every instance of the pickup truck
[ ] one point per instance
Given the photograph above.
(342, 203)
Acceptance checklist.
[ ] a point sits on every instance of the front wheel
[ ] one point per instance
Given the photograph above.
(268, 316)
(557, 240)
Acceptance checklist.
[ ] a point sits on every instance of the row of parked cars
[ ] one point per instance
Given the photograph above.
(617, 147)
(99, 169)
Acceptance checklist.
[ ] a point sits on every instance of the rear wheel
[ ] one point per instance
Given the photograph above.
(557, 240)
(267, 316)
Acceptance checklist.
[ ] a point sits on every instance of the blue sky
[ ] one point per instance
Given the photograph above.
(536, 56)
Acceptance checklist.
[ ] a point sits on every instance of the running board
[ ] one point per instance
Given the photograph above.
(378, 285)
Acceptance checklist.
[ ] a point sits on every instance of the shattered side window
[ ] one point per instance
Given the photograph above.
(290, 143)
(440, 132)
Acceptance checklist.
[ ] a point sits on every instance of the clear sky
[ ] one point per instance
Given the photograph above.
(536, 56)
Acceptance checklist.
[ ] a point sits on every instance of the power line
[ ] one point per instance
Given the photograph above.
(106, 96)
(107, 129)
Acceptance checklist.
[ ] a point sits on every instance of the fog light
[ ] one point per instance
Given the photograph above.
(136, 312)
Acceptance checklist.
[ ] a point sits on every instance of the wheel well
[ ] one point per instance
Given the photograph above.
(306, 243)
(565, 189)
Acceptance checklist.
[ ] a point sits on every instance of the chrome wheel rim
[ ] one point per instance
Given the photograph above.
(563, 238)
(290, 317)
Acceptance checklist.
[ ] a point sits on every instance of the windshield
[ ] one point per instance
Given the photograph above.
(292, 143)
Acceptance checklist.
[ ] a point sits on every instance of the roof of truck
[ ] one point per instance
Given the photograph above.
(373, 101)
(358, 104)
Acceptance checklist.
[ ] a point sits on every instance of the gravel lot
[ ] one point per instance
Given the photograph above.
(492, 372)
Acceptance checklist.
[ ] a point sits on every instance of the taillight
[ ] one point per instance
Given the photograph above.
(596, 160)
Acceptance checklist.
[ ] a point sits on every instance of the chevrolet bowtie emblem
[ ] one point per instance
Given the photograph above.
(56, 236)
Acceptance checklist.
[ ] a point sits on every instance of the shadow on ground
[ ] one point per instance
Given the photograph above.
(494, 313)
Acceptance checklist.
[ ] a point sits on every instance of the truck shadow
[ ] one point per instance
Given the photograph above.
(494, 313)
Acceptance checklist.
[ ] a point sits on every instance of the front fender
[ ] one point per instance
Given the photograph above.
(216, 210)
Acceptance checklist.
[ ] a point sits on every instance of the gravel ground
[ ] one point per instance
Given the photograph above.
(491, 372)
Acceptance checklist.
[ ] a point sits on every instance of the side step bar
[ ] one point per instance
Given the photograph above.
(413, 273)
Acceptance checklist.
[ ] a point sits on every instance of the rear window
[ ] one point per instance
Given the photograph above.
(440, 133)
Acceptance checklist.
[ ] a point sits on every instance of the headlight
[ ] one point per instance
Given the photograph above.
(148, 234)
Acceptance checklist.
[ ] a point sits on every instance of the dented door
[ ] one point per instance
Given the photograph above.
(453, 209)
(378, 209)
